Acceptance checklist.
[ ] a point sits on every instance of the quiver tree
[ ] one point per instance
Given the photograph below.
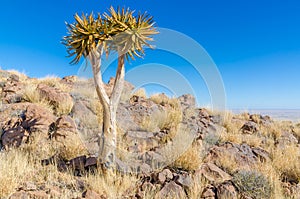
(120, 31)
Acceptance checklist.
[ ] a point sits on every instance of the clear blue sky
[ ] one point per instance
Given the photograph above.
(255, 44)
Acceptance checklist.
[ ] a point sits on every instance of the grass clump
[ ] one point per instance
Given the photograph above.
(252, 184)
(167, 119)
(55, 82)
(112, 184)
(190, 160)
(14, 166)
(286, 162)
(140, 93)
(31, 94)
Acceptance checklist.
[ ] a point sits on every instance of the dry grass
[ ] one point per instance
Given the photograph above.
(97, 108)
(31, 94)
(168, 119)
(112, 184)
(22, 75)
(140, 93)
(190, 160)
(286, 162)
(70, 148)
(14, 168)
(228, 163)
(63, 108)
(273, 177)
(54, 81)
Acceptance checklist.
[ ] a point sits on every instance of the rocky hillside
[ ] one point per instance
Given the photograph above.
(167, 148)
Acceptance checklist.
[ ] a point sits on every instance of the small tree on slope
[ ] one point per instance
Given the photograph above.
(119, 31)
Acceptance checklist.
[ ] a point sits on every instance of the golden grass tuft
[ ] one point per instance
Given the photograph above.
(54, 81)
(140, 93)
(63, 108)
(190, 160)
(31, 94)
(228, 163)
(167, 119)
(22, 75)
(286, 162)
(14, 168)
(112, 184)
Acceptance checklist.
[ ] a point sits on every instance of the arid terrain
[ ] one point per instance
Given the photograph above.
(167, 147)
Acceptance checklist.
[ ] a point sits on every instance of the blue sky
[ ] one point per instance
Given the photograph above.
(255, 44)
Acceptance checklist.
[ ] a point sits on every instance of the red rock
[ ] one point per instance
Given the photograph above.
(226, 190)
(19, 195)
(171, 190)
(213, 173)
(209, 192)
(89, 194)
(54, 95)
(38, 118)
(38, 194)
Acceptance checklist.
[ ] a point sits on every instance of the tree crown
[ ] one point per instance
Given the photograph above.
(118, 30)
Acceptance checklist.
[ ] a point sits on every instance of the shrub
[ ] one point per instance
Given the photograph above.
(252, 184)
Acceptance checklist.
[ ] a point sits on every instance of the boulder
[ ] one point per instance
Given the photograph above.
(262, 154)
(90, 194)
(183, 179)
(209, 192)
(20, 195)
(241, 154)
(171, 190)
(226, 190)
(249, 128)
(55, 95)
(165, 175)
(286, 139)
(213, 173)
(38, 118)
(187, 101)
(34, 119)
(69, 79)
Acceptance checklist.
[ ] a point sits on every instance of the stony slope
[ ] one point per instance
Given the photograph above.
(168, 148)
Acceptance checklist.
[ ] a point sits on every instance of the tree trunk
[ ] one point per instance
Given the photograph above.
(108, 136)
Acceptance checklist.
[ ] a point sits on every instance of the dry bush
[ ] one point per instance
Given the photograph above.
(273, 177)
(112, 184)
(252, 184)
(190, 160)
(231, 125)
(14, 168)
(168, 119)
(243, 116)
(154, 122)
(286, 162)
